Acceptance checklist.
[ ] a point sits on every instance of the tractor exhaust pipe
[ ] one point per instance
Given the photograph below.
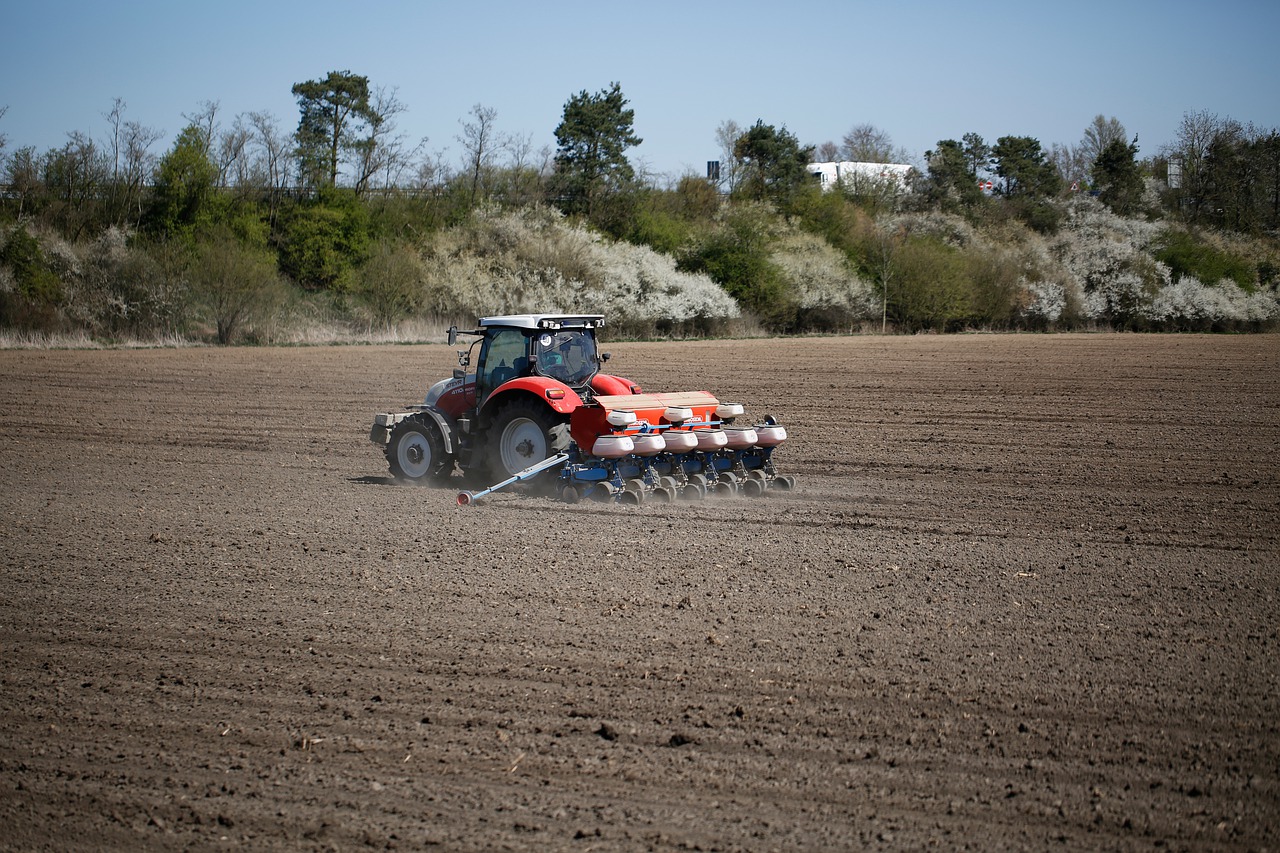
(467, 498)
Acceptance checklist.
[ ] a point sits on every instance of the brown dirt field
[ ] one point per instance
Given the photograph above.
(1024, 597)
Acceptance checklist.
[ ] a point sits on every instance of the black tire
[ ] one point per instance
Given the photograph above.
(524, 432)
(416, 452)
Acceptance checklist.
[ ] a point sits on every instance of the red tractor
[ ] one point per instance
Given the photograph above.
(537, 400)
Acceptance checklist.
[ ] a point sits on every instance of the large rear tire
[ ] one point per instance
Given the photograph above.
(522, 433)
(416, 452)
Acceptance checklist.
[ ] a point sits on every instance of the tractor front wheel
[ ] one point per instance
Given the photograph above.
(523, 433)
(416, 453)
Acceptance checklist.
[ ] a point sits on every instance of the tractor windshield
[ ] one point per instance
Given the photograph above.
(568, 355)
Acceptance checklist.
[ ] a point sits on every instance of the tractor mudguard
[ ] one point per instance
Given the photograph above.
(448, 431)
(384, 423)
(560, 397)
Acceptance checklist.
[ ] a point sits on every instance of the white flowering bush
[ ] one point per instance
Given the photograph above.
(827, 292)
(952, 230)
(1120, 299)
(1095, 244)
(532, 260)
(122, 290)
(1046, 303)
(642, 287)
(1106, 263)
(1108, 260)
(1189, 305)
(61, 256)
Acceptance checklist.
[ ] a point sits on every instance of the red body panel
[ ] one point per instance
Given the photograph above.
(591, 421)
(539, 385)
(603, 383)
(459, 396)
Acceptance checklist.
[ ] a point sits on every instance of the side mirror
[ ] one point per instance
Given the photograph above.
(453, 335)
(605, 356)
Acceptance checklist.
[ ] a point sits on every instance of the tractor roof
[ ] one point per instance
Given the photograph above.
(544, 321)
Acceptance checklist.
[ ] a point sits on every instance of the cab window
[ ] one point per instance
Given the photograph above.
(569, 356)
(504, 358)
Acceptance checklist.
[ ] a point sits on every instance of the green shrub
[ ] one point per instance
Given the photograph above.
(997, 291)
(737, 256)
(324, 240)
(236, 283)
(37, 283)
(1187, 255)
(660, 230)
(931, 288)
(392, 283)
(1038, 214)
(837, 220)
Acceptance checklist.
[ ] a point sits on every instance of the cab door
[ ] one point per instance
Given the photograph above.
(503, 357)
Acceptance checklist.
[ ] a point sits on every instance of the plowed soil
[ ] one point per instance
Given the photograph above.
(1024, 597)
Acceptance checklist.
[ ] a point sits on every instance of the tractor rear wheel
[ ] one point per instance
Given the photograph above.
(523, 433)
(416, 452)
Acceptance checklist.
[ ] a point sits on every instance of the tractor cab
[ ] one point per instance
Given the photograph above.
(558, 347)
(566, 355)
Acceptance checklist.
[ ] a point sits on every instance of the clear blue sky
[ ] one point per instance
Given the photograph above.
(921, 71)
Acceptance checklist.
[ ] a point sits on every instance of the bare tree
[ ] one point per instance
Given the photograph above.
(525, 171)
(398, 161)
(115, 120)
(866, 143)
(828, 152)
(382, 149)
(432, 173)
(230, 155)
(139, 164)
(731, 168)
(1071, 163)
(480, 140)
(1100, 133)
(22, 174)
(272, 160)
(206, 120)
(127, 149)
(225, 149)
(1196, 134)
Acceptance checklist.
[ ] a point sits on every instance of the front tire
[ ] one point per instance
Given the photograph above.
(416, 453)
(523, 433)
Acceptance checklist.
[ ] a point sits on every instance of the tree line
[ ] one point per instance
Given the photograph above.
(240, 216)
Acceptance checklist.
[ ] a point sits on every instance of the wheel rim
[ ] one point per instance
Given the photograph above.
(523, 444)
(413, 452)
